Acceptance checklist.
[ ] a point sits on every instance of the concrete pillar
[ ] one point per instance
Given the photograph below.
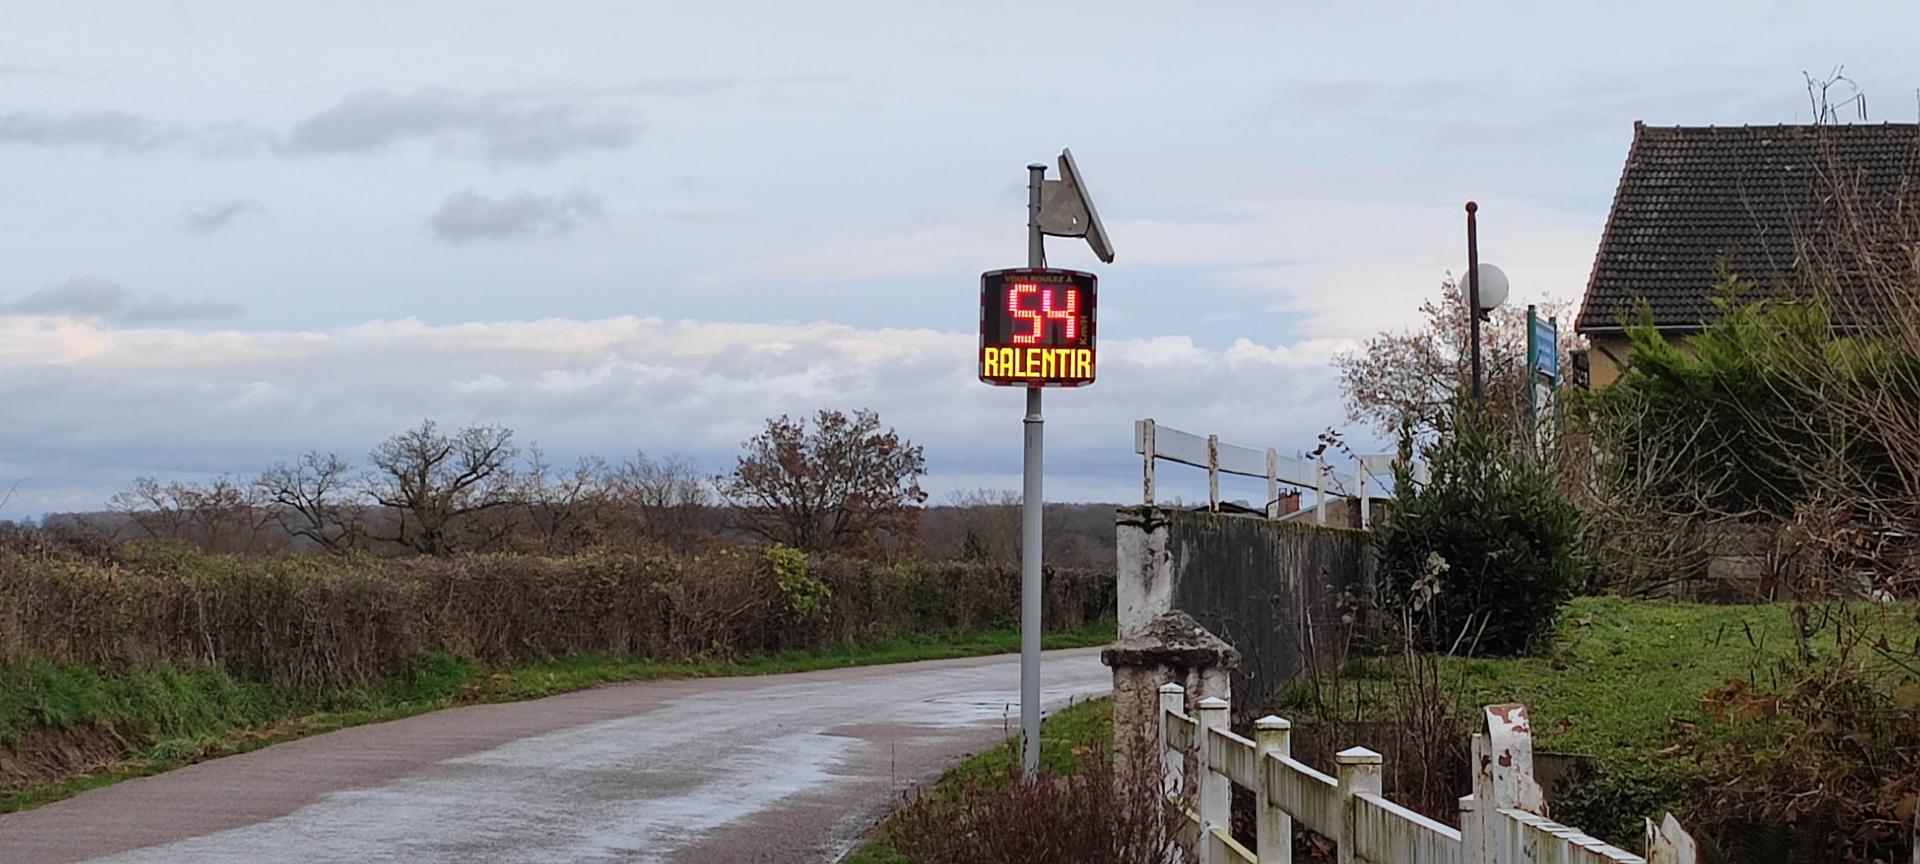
(1144, 568)
(1172, 649)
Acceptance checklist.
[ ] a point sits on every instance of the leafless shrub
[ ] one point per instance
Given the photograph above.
(219, 515)
(665, 500)
(1002, 818)
(325, 622)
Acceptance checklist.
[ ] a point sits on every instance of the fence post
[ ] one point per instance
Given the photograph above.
(1213, 473)
(1668, 843)
(1359, 771)
(1146, 447)
(1476, 824)
(1272, 827)
(1216, 791)
(1320, 490)
(1366, 496)
(1472, 850)
(1173, 697)
(1273, 484)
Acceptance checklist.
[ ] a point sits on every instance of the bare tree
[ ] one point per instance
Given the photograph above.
(1409, 376)
(843, 484)
(156, 508)
(219, 516)
(310, 500)
(435, 486)
(563, 507)
(669, 495)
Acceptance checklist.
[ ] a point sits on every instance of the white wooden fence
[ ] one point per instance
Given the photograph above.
(1154, 442)
(1499, 822)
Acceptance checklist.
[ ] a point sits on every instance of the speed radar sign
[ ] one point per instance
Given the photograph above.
(1037, 327)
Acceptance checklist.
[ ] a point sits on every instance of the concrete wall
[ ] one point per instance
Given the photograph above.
(1273, 590)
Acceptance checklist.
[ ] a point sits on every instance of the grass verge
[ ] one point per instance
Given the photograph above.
(1064, 738)
(1622, 683)
(163, 718)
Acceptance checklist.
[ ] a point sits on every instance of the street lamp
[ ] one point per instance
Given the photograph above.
(1486, 289)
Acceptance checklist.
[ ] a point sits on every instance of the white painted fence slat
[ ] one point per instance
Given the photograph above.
(1166, 442)
(1310, 796)
(1171, 443)
(1245, 461)
(1385, 831)
(1232, 755)
(1180, 731)
(1351, 810)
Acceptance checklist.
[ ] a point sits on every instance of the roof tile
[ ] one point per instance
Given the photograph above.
(1691, 197)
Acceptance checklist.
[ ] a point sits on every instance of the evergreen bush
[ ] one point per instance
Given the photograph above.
(1484, 553)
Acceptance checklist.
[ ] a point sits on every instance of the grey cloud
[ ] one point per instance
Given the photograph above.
(126, 132)
(467, 215)
(93, 297)
(506, 128)
(213, 217)
(113, 131)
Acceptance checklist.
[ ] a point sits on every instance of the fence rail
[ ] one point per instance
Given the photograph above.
(1351, 810)
(1153, 442)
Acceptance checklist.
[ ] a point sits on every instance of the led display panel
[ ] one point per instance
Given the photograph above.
(1037, 328)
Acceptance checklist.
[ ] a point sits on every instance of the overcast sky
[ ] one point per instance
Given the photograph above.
(232, 232)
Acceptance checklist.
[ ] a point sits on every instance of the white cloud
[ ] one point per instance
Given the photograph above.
(103, 405)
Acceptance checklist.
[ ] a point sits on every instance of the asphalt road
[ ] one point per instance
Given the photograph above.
(787, 768)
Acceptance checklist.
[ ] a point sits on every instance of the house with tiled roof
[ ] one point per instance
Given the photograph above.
(1695, 199)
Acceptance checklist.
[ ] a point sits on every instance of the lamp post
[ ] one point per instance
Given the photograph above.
(1484, 292)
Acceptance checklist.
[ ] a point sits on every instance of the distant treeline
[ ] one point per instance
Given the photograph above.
(840, 484)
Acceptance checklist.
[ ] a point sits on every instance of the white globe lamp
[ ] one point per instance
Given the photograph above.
(1493, 286)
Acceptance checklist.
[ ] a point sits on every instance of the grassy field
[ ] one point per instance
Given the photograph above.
(1623, 683)
(1064, 737)
(1622, 676)
(164, 717)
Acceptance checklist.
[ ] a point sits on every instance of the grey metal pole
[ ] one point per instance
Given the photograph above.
(1031, 501)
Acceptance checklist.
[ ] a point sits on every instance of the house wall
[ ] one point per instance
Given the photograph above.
(1606, 354)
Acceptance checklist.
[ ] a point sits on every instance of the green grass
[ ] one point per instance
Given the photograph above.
(1622, 682)
(1064, 737)
(1621, 677)
(164, 717)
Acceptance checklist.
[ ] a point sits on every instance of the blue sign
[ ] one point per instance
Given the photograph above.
(1546, 348)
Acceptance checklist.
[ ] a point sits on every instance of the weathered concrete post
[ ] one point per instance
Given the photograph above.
(1216, 791)
(1144, 567)
(1273, 828)
(1358, 770)
(1172, 649)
